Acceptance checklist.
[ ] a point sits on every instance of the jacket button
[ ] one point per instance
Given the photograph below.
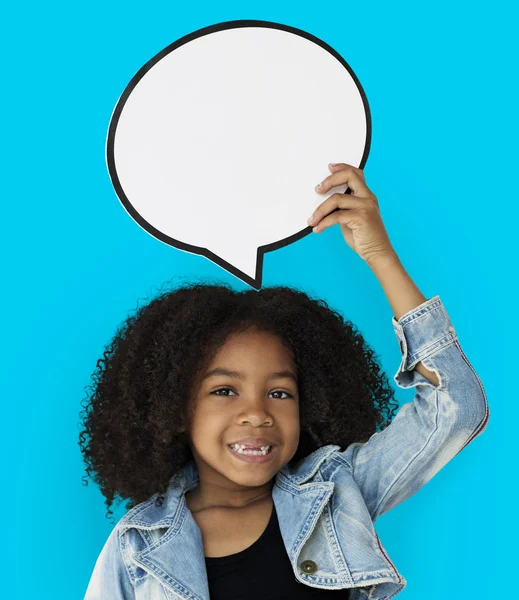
(308, 566)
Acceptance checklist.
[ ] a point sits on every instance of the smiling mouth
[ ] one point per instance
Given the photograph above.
(254, 457)
(262, 451)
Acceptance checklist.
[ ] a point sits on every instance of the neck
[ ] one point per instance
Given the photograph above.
(202, 499)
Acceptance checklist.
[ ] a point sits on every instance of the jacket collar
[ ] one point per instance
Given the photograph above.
(176, 556)
(148, 515)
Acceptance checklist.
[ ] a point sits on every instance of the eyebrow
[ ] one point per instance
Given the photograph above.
(227, 373)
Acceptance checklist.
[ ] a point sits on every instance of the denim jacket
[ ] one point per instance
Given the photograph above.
(326, 503)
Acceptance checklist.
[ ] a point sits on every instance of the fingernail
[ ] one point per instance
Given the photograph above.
(319, 185)
(310, 219)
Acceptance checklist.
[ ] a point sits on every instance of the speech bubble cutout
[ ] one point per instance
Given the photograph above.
(217, 143)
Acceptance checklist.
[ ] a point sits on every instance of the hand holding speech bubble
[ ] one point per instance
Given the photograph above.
(216, 144)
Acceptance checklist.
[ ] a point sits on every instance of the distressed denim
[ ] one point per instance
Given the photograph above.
(328, 502)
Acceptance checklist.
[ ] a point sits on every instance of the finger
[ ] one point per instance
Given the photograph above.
(339, 166)
(348, 174)
(346, 217)
(333, 202)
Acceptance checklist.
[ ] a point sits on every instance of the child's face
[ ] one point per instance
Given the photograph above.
(255, 405)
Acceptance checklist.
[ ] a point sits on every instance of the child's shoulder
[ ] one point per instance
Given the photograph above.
(307, 467)
(151, 513)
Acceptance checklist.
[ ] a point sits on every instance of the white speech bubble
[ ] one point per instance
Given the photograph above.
(216, 144)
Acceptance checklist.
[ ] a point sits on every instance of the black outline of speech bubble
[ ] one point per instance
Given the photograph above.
(110, 160)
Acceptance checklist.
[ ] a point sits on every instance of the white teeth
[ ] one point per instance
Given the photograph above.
(240, 448)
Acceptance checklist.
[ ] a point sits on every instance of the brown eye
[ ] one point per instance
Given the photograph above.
(221, 390)
(282, 392)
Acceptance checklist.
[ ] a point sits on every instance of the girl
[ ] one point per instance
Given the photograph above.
(253, 434)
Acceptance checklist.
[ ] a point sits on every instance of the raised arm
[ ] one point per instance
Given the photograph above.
(448, 411)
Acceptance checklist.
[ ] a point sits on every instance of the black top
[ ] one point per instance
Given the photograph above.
(261, 572)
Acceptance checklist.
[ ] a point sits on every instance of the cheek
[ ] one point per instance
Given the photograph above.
(289, 424)
(207, 426)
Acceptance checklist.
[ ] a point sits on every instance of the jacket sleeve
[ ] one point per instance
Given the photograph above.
(429, 431)
(110, 579)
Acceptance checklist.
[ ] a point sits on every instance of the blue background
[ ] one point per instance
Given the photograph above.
(441, 83)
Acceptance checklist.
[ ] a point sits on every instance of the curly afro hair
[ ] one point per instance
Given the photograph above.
(140, 398)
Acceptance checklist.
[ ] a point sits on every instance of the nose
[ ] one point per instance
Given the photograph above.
(255, 410)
